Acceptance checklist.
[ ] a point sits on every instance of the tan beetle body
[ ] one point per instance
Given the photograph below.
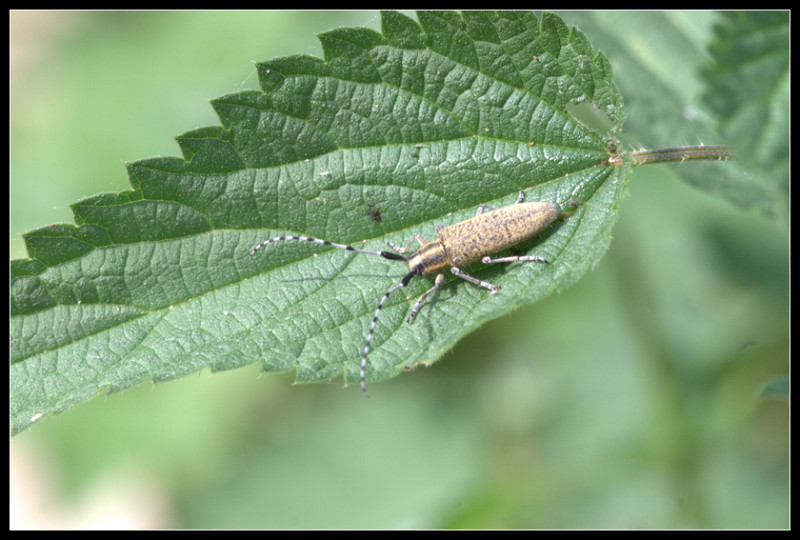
(470, 240)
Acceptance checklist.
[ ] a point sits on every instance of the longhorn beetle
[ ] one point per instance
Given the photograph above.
(458, 244)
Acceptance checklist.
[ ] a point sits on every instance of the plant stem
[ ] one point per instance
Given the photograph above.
(681, 154)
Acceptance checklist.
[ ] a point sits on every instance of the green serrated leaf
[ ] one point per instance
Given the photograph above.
(421, 123)
(748, 91)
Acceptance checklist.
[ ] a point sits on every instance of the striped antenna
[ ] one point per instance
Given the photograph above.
(400, 285)
(384, 254)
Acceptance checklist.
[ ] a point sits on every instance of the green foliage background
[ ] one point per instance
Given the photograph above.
(632, 399)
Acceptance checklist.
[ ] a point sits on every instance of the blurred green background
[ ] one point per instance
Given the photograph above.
(633, 400)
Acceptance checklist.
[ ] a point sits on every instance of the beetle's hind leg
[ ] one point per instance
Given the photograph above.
(514, 258)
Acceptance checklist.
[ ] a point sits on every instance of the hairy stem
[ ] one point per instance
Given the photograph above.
(681, 154)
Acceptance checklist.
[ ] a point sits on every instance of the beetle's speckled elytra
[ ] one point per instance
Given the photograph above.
(457, 245)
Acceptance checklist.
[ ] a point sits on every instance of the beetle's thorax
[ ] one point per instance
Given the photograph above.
(429, 259)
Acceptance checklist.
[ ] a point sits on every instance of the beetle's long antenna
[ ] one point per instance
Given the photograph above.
(384, 254)
(400, 285)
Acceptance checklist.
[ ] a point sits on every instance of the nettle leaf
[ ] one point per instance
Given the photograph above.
(748, 91)
(387, 136)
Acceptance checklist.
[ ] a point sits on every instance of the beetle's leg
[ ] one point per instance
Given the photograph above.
(533, 258)
(436, 285)
(417, 237)
(483, 207)
(476, 281)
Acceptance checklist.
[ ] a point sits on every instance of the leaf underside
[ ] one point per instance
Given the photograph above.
(389, 135)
